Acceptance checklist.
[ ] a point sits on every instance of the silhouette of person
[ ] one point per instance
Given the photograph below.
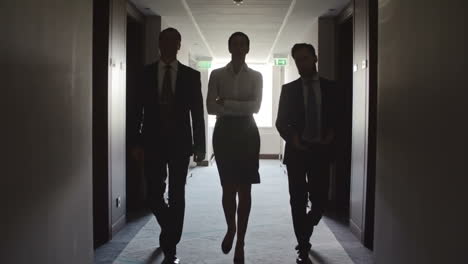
(234, 95)
(172, 101)
(307, 118)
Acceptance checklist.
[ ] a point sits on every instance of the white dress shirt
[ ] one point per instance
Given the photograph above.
(162, 71)
(242, 92)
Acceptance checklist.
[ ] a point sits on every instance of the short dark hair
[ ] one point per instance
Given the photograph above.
(170, 29)
(303, 45)
(241, 34)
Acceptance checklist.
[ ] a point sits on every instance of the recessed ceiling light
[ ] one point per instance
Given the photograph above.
(238, 2)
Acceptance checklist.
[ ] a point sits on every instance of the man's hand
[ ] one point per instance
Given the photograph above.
(198, 156)
(296, 140)
(220, 101)
(328, 138)
(138, 153)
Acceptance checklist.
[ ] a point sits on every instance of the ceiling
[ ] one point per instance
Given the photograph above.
(273, 26)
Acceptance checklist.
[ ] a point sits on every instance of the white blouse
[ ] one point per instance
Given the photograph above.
(242, 92)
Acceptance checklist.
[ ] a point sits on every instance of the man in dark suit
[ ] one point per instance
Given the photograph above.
(171, 104)
(307, 118)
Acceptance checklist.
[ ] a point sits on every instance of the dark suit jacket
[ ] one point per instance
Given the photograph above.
(291, 118)
(189, 113)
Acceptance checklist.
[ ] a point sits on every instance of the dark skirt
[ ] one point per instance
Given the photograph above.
(236, 145)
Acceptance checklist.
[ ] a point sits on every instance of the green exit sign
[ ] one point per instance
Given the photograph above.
(204, 64)
(281, 61)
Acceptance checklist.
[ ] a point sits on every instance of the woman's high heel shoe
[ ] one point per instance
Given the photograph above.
(226, 245)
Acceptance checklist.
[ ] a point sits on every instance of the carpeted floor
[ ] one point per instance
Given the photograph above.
(270, 237)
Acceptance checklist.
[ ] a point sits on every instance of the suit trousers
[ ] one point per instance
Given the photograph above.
(308, 181)
(170, 215)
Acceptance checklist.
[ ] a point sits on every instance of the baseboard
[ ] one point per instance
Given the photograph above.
(261, 156)
(203, 163)
(118, 225)
(270, 156)
(355, 230)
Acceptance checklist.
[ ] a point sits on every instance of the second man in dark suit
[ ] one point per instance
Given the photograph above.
(172, 104)
(307, 118)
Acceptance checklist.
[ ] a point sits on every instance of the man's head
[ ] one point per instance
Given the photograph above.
(305, 58)
(169, 42)
(238, 44)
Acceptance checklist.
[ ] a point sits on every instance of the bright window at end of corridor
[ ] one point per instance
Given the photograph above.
(264, 117)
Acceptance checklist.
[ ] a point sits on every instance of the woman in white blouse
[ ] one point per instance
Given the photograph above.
(234, 95)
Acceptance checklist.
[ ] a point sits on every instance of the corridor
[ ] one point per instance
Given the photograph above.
(270, 237)
(69, 95)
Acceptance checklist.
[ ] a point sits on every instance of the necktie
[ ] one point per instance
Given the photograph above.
(166, 92)
(166, 105)
(312, 126)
